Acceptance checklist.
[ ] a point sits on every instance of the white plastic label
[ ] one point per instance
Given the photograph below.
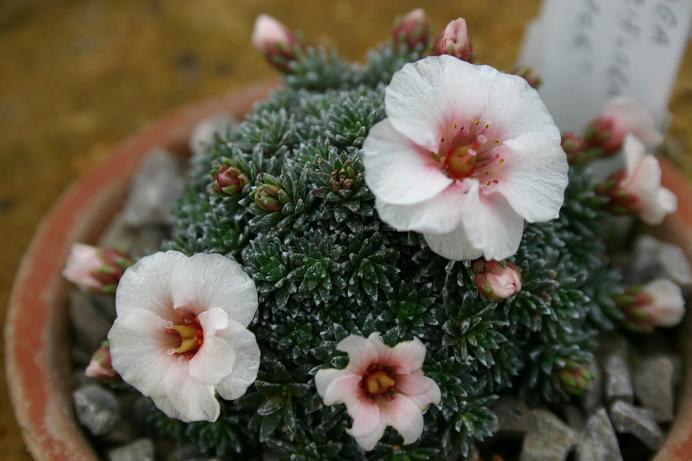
(589, 51)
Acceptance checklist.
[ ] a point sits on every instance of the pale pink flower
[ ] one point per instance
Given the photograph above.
(637, 189)
(465, 155)
(497, 280)
(622, 115)
(413, 28)
(180, 335)
(100, 365)
(95, 269)
(656, 304)
(381, 386)
(454, 40)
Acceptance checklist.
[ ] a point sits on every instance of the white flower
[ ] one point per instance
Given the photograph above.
(642, 181)
(465, 155)
(180, 334)
(381, 386)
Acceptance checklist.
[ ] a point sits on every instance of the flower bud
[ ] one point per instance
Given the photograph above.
(342, 179)
(496, 280)
(96, 269)
(621, 117)
(574, 378)
(529, 74)
(230, 180)
(268, 198)
(656, 304)
(412, 29)
(276, 42)
(572, 145)
(454, 41)
(100, 366)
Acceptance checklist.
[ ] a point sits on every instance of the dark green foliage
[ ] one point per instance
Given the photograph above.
(305, 229)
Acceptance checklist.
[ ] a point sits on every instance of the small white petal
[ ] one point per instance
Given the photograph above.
(439, 215)
(454, 245)
(397, 171)
(668, 307)
(361, 352)
(366, 417)
(343, 389)
(535, 175)
(368, 442)
(323, 378)
(405, 416)
(408, 356)
(147, 284)
(247, 361)
(628, 112)
(214, 361)
(192, 400)
(205, 280)
(431, 395)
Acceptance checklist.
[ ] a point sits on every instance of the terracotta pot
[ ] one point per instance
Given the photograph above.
(37, 326)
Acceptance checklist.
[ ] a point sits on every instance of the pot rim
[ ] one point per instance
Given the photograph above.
(37, 320)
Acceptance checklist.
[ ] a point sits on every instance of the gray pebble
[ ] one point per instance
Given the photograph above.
(139, 450)
(549, 440)
(593, 397)
(653, 384)
(598, 442)
(514, 416)
(654, 258)
(97, 408)
(154, 191)
(639, 422)
(617, 379)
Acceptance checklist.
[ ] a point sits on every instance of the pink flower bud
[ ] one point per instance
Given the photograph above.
(276, 42)
(496, 280)
(454, 40)
(229, 180)
(96, 269)
(572, 145)
(621, 116)
(412, 29)
(656, 304)
(100, 366)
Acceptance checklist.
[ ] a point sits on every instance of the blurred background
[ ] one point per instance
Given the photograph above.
(76, 76)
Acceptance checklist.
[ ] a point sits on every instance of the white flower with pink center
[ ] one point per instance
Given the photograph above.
(381, 386)
(465, 156)
(180, 335)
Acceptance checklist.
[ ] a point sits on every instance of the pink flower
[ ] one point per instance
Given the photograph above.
(100, 366)
(621, 116)
(381, 386)
(454, 40)
(637, 189)
(656, 304)
(413, 29)
(497, 280)
(275, 41)
(95, 269)
(180, 334)
(465, 155)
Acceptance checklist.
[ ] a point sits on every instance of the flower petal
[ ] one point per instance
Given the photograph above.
(396, 170)
(492, 225)
(368, 442)
(361, 352)
(412, 383)
(366, 417)
(438, 215)
(147, 284)
(668, 304)
(138, 350)
(323, 378)
(405, 416)
(424, 96)
(514, 107)
(408, 356)
(454, 245)
(628, 112)
(205, 280)
(192, 400)
(431, 395)
(344, 389)
(247, 361)
(214, 361)
(535, 175)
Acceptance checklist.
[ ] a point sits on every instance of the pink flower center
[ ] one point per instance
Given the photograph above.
(186, 334)
(378, 381)
(466, 149)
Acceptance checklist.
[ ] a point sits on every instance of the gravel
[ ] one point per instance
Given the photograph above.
(638, 422)
(97, 408)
